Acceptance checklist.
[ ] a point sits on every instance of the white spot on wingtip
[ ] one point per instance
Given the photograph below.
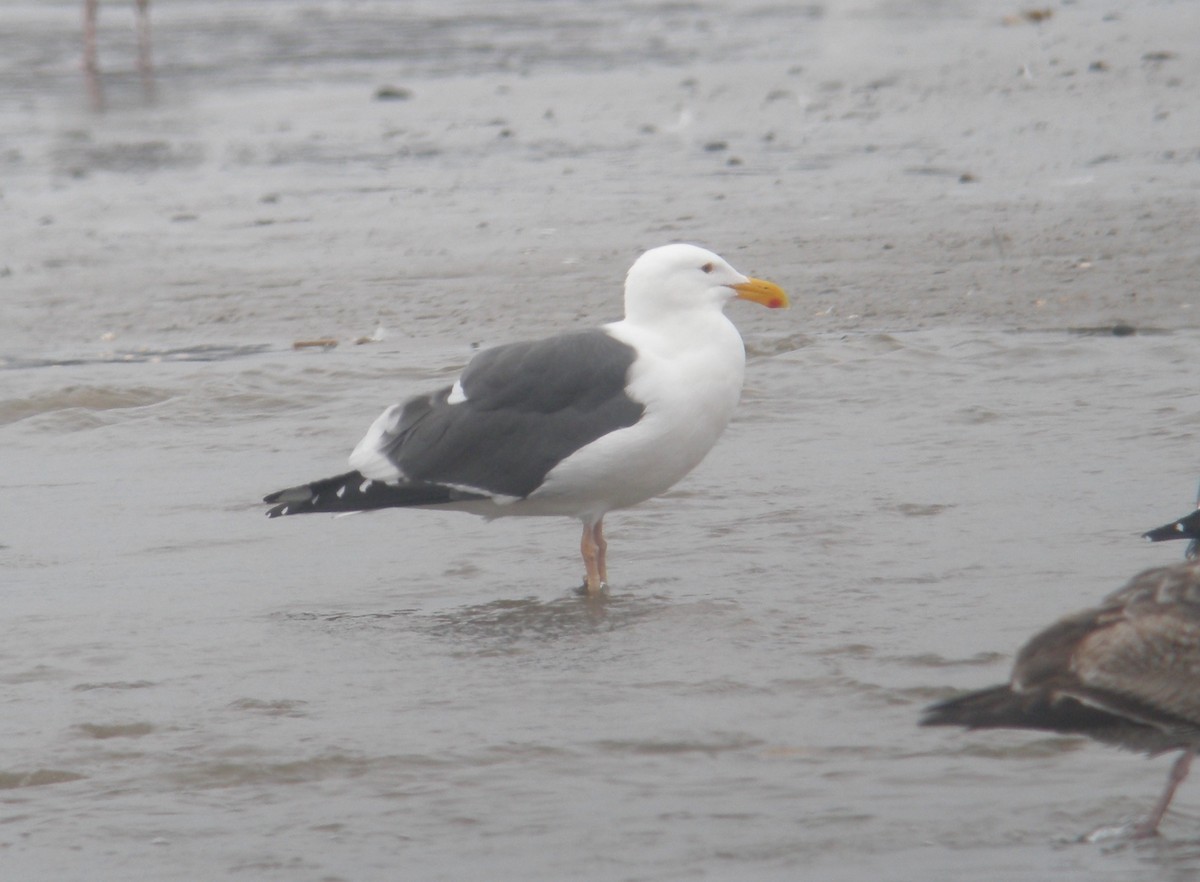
(1179, 526)
(457, 394)
(365, 486)
(341, 491)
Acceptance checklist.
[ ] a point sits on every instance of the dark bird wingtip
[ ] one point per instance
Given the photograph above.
(1186, 527)
(936, 714)
(994, 707)
(1173, 530)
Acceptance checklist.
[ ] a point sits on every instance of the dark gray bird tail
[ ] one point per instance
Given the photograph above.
(995, 708)
(352, 492)
(1185, 528)
(1001, 708)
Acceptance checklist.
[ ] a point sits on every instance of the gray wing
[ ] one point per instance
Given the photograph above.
(528, 406)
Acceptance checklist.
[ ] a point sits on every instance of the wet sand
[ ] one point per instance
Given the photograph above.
(942, 446)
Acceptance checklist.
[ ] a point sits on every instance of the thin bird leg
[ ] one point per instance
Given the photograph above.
(89, 35)
(91, 66)
(601, 550)
(1179, 771)
(145, 65)
(592, 581)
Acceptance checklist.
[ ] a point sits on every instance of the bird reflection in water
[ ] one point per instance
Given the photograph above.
(504, 625)
(501, 627)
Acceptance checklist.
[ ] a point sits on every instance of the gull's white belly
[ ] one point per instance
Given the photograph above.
(689, 398)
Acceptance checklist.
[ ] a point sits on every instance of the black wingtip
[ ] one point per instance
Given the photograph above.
(944, 713)
(1165, 532)
(1184, 528)
(285, 501)
(996, 707)
(351, 492)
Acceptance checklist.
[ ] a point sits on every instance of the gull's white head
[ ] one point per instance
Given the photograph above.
(677, 279)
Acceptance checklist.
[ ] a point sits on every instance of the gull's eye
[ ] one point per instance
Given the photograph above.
(708, 267)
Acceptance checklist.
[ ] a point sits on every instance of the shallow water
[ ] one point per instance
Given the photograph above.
(190, 686)
(906, 494)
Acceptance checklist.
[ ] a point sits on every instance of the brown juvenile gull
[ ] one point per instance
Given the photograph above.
(576, 425)
(1126, 672)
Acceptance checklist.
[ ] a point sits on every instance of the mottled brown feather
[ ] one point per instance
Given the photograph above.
(1126, 672)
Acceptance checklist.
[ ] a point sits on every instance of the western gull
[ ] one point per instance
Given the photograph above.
(1123, 672)
(576, 425)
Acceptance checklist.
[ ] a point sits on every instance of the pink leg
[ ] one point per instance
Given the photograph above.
(145, 64)
(143, 28)
(593, 558)
(1179, 771)
(91, 66)
(601, 550)
(89, 34)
